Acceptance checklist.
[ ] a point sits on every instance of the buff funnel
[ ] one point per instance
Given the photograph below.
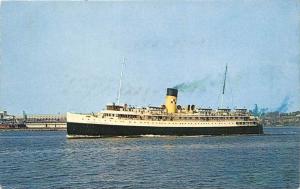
(171, 99)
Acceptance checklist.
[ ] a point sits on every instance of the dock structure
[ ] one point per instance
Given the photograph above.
(32, 121)
(9, 121)
(45, 121)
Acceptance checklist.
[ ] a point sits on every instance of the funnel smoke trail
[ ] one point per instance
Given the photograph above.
(194, 85)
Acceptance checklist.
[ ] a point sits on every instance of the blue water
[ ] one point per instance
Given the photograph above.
(34, 159)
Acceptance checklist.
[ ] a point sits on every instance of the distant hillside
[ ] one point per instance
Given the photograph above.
(281, 119)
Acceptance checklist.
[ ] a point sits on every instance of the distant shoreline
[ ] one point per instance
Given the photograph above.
(280, 126)
(31, 129)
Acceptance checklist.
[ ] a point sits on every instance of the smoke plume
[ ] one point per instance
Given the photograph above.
(284, 105)
(197, 85)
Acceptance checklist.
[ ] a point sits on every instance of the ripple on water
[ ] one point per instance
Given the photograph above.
(48, 159)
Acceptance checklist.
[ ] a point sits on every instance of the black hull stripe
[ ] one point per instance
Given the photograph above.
(82, 129)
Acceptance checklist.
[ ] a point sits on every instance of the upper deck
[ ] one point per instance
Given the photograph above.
(189, 113)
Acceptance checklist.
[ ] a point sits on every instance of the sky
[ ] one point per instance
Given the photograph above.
(59, 57)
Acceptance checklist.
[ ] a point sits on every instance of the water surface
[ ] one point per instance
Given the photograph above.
(40, 159)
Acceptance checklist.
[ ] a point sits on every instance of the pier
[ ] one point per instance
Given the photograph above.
(33, 121)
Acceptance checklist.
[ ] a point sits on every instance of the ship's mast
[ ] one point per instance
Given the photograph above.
(224, 84)
(120, 83)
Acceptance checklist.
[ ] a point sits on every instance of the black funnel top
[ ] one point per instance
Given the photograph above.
(172, 92)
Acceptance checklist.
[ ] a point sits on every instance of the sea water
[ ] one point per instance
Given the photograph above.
(47, 159)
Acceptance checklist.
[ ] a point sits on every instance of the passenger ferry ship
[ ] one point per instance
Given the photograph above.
(168, 119)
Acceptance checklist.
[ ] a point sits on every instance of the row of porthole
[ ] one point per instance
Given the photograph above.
(176, 123)
(172, 123)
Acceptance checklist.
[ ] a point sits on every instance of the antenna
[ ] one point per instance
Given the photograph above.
(224, 84)
(120, 83)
